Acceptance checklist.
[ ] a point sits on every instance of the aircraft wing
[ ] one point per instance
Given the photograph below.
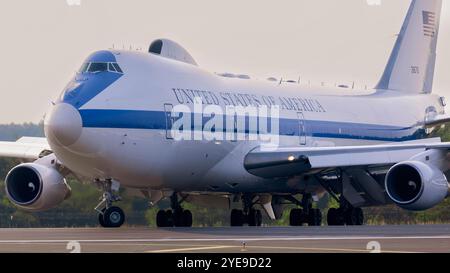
(437, 121)
(291, 161)
(28, 148)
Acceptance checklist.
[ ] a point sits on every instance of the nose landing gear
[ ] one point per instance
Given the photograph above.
(109, 216)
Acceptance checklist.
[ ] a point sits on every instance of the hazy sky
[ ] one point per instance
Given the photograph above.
(43, 42)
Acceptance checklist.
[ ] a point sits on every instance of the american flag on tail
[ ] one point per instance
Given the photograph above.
(429, 23)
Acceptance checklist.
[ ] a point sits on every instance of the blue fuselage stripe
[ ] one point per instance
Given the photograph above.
(158, 120)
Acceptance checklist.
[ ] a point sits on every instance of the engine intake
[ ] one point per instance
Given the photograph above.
(36, 187)
(415, 185)
(24, 185)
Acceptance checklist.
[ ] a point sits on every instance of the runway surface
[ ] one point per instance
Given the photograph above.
(413, 238)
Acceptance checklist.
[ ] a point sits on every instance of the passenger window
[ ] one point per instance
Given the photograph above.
(98, 67)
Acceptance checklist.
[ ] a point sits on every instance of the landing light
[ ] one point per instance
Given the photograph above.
(291, 158)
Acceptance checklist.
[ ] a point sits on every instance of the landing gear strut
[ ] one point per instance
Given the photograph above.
(307, 215)
(249, 215)
(109, 216)
(175, 217)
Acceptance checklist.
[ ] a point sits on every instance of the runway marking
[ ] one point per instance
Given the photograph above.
(254, 247)
(250, 239)
(189, 249)
(270, 248)
(324, 249)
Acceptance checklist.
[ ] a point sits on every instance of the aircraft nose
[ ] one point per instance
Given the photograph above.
(63, 124)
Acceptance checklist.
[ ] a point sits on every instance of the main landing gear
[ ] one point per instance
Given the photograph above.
(248, 215)
(345, 215)
(109, 216)
(308, 215)
(175, 217)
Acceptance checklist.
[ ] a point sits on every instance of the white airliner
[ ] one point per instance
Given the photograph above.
(114, 125)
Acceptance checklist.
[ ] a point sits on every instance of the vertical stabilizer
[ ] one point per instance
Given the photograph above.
(411, 65)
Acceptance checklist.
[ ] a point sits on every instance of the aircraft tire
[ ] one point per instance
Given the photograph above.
(161, 219)
(258, 218)
(332, 217)
(254, 218)
(314, 217)
(169, 218)
(295, 217)
(237, 218)
(186, 218)
(354, 217)
(113, 217)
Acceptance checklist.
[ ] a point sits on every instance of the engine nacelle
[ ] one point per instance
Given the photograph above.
(415, 185)
(36, 187)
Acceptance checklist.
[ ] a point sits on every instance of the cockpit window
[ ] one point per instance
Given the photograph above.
(84, 68)
(117, 67)
(100, 67)
(111, 67)
(97, 67)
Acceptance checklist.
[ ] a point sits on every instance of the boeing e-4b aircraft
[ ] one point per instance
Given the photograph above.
(128, 119)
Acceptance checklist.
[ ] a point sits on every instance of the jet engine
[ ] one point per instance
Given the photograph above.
(36, 187)
(415, 185)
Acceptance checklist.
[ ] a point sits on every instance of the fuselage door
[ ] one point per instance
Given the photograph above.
(301, 128)
(169, 120)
